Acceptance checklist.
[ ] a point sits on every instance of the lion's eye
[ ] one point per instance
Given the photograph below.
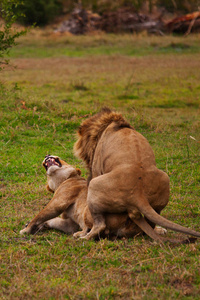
(27, 224)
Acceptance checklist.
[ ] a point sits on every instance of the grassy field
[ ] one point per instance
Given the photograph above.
(58, 82)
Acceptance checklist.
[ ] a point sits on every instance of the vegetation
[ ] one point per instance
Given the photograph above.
(58, 83)
(39, 12)
(179, 5)
(7, 35)
(43, 12)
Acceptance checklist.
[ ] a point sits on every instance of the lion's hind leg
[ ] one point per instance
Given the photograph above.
(66, 225)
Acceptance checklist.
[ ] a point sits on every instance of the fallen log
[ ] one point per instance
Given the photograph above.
(185, 24)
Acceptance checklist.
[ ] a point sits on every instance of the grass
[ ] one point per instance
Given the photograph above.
(51, 45)
(58, 82)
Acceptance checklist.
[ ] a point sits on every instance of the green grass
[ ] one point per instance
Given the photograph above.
(51, 45)
(58, 82)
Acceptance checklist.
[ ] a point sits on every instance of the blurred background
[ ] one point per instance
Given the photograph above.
(109, 16)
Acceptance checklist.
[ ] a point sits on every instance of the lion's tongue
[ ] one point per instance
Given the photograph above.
(50, 162)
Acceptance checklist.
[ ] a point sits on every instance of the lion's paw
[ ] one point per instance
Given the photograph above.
(160, 230)
(79, 234)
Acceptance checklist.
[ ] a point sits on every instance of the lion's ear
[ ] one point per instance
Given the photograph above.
(48, 189)
(78, 171)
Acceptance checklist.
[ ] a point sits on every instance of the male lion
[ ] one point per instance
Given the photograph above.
(123, 174)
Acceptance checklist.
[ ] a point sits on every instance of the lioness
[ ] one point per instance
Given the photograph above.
(70, 188)
(123, 174)
(70, 200)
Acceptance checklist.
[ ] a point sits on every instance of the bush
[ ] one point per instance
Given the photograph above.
(39, 12)
(184, 6)
(7, 35)
(107, 5)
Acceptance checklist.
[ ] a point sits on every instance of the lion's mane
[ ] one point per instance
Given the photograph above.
(91, 130)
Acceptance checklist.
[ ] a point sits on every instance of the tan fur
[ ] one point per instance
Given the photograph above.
(70, 189)
(123, 174)
(70, 201)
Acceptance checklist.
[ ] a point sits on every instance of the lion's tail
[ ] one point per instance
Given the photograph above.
(146, 209)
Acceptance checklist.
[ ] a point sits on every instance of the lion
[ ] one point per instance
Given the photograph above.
(123, 177)
(70, 202)
(69, 188)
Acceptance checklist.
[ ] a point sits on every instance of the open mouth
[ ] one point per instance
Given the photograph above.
(51, 161)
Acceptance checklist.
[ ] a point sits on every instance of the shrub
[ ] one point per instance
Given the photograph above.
(39, 12)
(179, 5)
(7, 35)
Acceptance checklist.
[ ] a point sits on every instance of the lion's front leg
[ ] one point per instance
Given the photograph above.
(98, 226)
(81, 234)
(49, 212)
(97, 207)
